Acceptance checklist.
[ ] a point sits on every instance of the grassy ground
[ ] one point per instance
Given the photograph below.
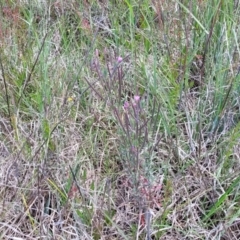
(119, 119)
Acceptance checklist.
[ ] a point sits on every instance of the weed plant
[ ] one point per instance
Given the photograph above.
(119, 119)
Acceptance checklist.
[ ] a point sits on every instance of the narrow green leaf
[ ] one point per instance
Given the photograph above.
(222, 199)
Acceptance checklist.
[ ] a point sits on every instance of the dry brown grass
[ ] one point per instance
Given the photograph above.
(77, 164)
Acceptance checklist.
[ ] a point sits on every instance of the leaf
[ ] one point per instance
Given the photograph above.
(222, 199)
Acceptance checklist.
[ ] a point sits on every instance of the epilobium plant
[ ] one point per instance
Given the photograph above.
(136, 148)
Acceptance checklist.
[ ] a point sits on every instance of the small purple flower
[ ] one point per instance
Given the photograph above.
(126, 105)
(136, 98)
(119, 59)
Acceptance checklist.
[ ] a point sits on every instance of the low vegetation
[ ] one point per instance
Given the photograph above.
(119, 119)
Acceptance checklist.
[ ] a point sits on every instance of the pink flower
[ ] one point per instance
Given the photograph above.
(126, 105)
(119, 59)
(136, 98)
